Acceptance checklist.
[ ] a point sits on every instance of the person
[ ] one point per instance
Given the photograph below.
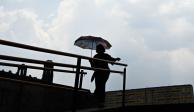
(101, 76)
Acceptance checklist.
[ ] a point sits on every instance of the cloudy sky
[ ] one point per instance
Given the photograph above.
(154, 37)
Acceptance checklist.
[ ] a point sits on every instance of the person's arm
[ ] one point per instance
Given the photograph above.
(112, 59)
(117, 59)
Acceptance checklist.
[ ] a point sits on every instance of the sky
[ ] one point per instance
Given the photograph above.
(154, 37)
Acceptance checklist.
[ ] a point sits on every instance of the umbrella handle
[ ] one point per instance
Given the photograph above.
(91, 53)
(92, 47)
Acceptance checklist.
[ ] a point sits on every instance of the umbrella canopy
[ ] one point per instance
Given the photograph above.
(90, 42)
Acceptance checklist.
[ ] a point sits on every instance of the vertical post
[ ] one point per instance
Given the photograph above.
(81, 79)
(124, 84)
(76, 84)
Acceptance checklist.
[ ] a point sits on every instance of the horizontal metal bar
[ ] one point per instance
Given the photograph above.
(89, 68)
(39, 68)
(24, 46)
(12, 58)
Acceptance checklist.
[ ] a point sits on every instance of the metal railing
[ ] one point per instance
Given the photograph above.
(79, 68)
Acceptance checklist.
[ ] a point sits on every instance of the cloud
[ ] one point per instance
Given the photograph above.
(21, 26)
(182, 63)
(155, 38)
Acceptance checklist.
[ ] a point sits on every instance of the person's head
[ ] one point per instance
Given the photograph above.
(100, 48)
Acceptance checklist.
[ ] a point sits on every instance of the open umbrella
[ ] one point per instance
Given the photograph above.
(90, 42)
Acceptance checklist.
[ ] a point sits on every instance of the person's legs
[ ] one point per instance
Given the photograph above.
(100, 81)
(103, 86)
(97, 89)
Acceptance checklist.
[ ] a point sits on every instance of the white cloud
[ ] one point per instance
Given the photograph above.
(182, 63)
(21, 26)
(167, 8)
(155, 38)
(62, 23)
(182, 60)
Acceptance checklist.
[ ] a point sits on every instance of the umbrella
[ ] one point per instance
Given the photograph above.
(90, 42)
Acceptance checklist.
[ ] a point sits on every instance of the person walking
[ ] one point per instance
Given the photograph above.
(101, 76)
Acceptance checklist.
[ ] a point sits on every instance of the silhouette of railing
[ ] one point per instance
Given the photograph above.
(79, 68)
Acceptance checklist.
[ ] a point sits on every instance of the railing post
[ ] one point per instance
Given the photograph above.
(124, 84)
(76, 85)
(81, 79)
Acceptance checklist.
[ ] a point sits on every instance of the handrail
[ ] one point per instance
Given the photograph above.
(24, 46)
(39, 68)
(13, 58)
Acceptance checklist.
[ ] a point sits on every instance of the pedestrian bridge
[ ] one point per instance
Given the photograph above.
(19, 84)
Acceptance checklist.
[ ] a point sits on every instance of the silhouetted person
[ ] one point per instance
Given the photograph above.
(101, 76)
(22, 70)
(48, 74)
